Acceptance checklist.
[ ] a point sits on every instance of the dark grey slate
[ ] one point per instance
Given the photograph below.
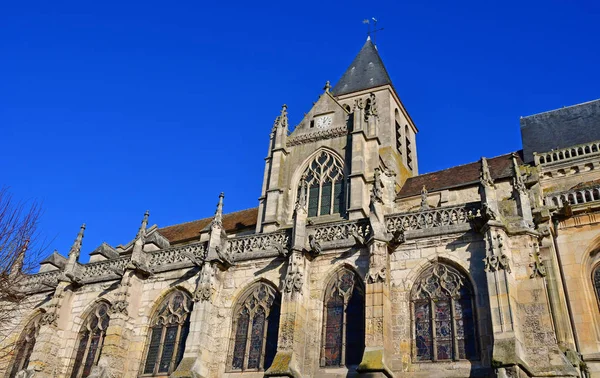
(55, 259)
(366, 71)
(560, 128)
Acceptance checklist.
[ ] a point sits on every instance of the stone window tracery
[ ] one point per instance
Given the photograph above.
(255, 329)
(25, 345)
(443, 316)
(343, 320)
(324, 177)
(169, 329)
(90, 341)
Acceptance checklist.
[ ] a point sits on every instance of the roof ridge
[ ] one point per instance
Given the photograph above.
(462, 165)
(564, 107)
(201, 219)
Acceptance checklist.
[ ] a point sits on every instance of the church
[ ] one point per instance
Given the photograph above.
(352, 264)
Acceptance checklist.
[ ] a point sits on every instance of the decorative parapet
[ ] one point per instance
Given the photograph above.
(332, 232)
(317, 135)
(104, 269)
(278, 240)
(573, 196)
(563, 154)
(41, 281)
(177, 254)
(428, 219)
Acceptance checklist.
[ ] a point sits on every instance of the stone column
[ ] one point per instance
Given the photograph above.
(520, 194)
(199, 346)
(274, 164)
(378, 307)
(292, 322)
(45, 358)
(378, 329)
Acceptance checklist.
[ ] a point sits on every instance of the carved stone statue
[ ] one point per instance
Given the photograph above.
(485, 178)
(377, 192)
(424, 204)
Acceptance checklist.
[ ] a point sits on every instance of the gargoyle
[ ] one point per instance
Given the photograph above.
(315, 246)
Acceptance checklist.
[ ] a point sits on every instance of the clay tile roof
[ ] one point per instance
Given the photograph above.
(461, 175)
(232, 222)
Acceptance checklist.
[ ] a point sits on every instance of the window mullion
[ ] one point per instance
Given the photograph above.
(455, 353)
(261, 361)
(320, 198)
(344, 317)
(85, 354)
(251, 315)
(332, 199)
(433, 330)
(100, 343)
(176, 348)
(163, 331)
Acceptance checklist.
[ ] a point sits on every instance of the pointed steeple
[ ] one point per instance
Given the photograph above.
(366, 71)
(76, 247)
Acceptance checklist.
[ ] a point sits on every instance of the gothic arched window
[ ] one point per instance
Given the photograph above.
(25, 345)
(324, 177)
(90, 340)
(444, 324)
(596, 282)
(255, 329)
(343, 320)
(166, 339)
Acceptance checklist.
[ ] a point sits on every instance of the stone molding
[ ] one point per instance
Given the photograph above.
(316, 136)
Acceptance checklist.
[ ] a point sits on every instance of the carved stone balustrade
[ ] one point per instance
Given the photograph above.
(164, 259)
(574, 196)
(41, 281)
(437, 219)
(341, 234)
(104, 270)
(239, 246)
(592, 148)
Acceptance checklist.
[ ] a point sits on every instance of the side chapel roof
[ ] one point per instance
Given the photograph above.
(461, 175)
(366, 71)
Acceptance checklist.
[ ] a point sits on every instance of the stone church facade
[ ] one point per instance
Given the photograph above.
(352, 265)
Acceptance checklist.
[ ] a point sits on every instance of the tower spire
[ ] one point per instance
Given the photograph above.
(142, 231)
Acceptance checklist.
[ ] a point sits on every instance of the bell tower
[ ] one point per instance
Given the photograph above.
(354, 128)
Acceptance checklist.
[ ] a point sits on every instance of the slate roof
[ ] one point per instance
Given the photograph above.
(366, 71)
(232, 222)
(461, 175)
(560, 128)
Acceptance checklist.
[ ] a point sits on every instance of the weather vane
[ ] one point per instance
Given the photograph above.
(374, 31)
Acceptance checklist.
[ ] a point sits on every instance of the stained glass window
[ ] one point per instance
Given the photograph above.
(344, 320)
(25, 345)
(255, 328)
(325, 177)
(90, 340)
(444, 327)
(166, 339)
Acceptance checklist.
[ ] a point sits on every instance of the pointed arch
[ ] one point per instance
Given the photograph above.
(443, 309)
(343, 336)
(169, 327)
(91, 339)
(325, 174)
(255, 328)
(26, 343)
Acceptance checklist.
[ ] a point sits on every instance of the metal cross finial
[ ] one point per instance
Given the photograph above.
(374, 31)
(327, 86)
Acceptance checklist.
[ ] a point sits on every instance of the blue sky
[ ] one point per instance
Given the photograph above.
(111, 108)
